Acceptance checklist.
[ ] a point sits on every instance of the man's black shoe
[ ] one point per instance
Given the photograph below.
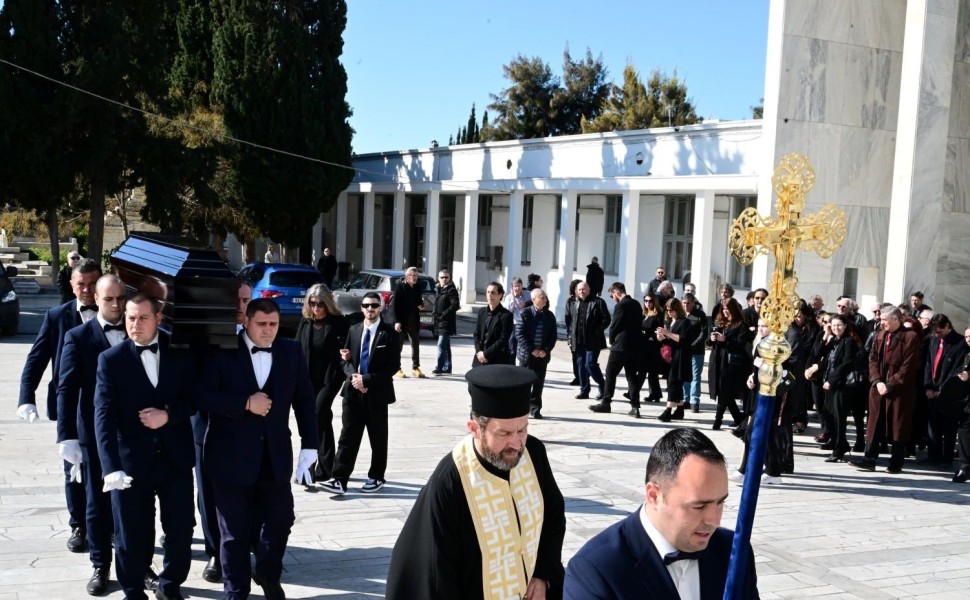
(583, 396)
(600, 407)
(961, 476)
(574, 382)
(78, 542)
(98, 583)
(151, 579)
(863, 464)
(535, 414)
(829, 445)
(894, 470)
(271, 590)
(160, 595)
(212, 571)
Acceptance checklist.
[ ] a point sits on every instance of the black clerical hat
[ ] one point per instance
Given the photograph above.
(500, 391)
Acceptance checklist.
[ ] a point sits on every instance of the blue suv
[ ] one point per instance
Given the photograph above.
(286, 284)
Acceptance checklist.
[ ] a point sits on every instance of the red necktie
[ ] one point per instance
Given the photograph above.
(885, 350)
(936, 359)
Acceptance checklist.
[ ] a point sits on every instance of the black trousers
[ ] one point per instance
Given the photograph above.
(205, 501)
(98, 518)
(627, 362)
(963, 441)
(942, 433)
(266, 502)
(410, 328)
(537, 366)
(362, 411)
(134, 518)
(327, 450)
(74, 495)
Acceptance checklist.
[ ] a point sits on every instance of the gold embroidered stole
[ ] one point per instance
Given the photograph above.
(508, 521)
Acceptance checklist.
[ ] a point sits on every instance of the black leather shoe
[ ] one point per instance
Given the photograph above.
(78, 542)
(535, 414)
(626, 395)
(863, 464)
(584, 396)
(574, 382)
(98, 583)
(894, 470)
(271, 590)
(160, 595)
(961, 476)
(151, 579)
(829, 445)
(600, 407)
(665, 415)
(212, 571)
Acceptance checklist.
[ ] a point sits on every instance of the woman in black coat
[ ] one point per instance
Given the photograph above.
(676, 334)
(730, 360)
(836, 365)
(321, 334)
(650, 361)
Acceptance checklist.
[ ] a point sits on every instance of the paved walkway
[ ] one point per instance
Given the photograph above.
(828, 532)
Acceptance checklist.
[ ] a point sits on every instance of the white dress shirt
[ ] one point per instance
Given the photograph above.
(114, 336)
(150, 361)
(685, 573)
(373, 336)
(86, 315)
(262, 362)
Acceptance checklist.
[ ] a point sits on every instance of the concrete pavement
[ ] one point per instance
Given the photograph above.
(829, 531)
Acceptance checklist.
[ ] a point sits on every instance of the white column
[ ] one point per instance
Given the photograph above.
(700, 262)
(368, 242)
(466, 279)
(629, 239)
(431, 226)
(397, 241)
(342, 223)
(567, 243)
(513, 247)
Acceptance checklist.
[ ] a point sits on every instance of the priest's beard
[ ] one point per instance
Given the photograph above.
(505, 460)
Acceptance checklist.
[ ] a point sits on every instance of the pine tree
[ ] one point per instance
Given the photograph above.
(524, 109)
(639, 106)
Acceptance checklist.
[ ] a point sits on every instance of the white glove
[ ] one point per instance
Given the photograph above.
(118, 480)
(28, 412)
(303, 464)
(76, 472)
(70, 450)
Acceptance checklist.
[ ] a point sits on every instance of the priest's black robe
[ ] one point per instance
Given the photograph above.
(437, 554)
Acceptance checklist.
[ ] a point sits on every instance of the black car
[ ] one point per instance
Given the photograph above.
(9, 302)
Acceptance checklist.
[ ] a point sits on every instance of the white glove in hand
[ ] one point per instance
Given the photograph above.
(28, 412)
(303, 464)
(118, 480)
(76, 472)
(70, 450)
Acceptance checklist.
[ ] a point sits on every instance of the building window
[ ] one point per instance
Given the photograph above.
(611, 242)
(527, 206)
(678, 243)
(555, 238)
(740, 275)
(484, 228)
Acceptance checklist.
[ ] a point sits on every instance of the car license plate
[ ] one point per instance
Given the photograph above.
(298, 300)
(426, 320)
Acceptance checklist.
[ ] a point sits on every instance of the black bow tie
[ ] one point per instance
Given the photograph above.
(258, 349)
(109, 327)
(153, 348)
(88, 307)
(678, 555)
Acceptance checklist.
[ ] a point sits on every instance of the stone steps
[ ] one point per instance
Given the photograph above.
(27, 285)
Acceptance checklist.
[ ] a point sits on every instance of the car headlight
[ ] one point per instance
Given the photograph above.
(9, 297)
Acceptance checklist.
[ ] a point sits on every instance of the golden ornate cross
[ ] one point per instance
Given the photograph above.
(751, 235)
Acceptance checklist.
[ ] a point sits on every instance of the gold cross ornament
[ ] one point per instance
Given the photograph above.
(751, 235)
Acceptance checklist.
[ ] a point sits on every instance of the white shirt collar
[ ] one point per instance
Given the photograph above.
(249, 343)
(154, 341)
(659, 541)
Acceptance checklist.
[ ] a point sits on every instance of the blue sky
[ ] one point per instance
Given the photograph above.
(415, 68)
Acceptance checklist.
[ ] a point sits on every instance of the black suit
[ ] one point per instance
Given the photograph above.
(250, 458)
(492, 333)
(368, 410)
(159, 461)
(622, 563)
(942, 428)
(77, 380)
(625, 344)
(47, 349)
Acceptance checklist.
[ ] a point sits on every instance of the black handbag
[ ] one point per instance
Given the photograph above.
(856, 379)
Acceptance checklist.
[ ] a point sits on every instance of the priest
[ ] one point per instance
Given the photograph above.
(491, 520)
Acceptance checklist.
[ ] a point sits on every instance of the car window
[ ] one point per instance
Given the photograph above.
(357, 282)
(426, 284)
(255, 274)
(373, 282)
(298, 279)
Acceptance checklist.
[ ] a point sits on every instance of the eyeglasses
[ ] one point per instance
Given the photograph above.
(316, 304)
(370, 305)
(647, 301)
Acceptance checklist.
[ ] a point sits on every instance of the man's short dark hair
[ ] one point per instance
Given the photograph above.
(688, 296)
(671, 450)
(917, 294)
(263, 305)
(372, 296)
(763, 291)
(87, 265)
(940, 321)
(750, 295)
(143, 297)
(497, 286)
(618, 287)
